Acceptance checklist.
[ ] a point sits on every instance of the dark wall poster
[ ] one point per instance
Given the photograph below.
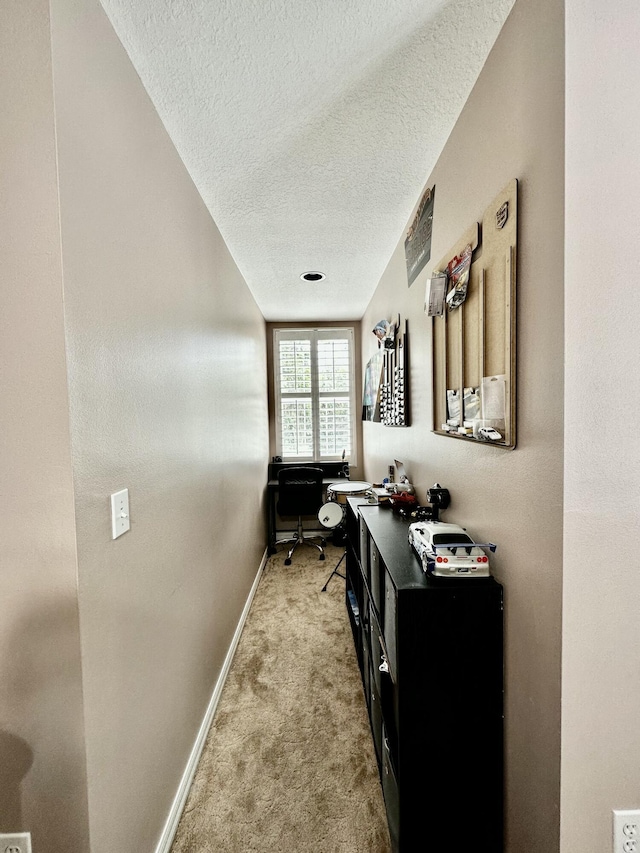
(417, 245)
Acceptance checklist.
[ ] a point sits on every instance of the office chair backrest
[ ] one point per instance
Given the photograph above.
(300, 491)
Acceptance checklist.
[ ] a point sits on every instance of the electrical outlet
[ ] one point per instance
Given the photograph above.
(626, 831)
(15, 842)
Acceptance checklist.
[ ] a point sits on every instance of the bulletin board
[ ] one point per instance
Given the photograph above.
(474, 344)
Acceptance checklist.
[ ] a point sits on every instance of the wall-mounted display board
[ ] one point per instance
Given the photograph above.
(474, 344)
(394, 397)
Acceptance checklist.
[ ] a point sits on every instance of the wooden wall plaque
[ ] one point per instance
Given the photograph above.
(474, 345)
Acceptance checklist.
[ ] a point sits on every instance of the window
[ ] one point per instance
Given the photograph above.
(314, 382)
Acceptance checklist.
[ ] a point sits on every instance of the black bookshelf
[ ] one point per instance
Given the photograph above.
(430, 652)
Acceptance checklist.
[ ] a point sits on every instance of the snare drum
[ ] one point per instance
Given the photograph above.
(341, 491)
(331, 515)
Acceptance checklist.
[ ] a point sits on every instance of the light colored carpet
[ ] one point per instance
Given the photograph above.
(289, 763)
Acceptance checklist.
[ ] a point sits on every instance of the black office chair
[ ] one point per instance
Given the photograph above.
(300, 492)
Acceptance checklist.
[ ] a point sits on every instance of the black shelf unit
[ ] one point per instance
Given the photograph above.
(430, 652)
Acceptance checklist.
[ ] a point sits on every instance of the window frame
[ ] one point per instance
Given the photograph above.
(314, 334)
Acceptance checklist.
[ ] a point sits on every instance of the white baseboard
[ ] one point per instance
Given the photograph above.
(171, 825)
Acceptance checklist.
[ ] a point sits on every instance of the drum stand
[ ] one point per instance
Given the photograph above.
(332, 515)
(335, 572)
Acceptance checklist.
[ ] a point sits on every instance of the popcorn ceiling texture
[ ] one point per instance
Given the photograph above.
(309, 128)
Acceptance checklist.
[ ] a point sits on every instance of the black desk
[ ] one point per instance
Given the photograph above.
(335, 472)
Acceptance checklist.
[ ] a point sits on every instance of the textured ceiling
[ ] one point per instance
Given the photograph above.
(309, 127)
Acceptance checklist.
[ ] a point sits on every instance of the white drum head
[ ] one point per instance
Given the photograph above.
(331, 514)
(341, 491)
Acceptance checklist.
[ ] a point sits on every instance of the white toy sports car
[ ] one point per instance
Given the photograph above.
(446, 550)
(489, 434)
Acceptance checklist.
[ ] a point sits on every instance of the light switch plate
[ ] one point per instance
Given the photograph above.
(120, 521)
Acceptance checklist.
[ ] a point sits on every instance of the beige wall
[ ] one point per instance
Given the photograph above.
(113, 648)
(601, 630)
(166, 351)
(511, 127)
(42, 761)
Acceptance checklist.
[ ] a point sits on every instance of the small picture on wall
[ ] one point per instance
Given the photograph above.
(370, 396)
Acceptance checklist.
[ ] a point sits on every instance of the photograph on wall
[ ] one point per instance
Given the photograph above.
(370, 395)
(417, 245)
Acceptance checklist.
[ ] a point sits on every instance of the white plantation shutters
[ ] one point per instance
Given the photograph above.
(295, 391)
(314, 393)
(334, 405)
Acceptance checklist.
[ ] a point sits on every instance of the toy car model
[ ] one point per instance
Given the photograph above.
(446, 550)
(489, 433)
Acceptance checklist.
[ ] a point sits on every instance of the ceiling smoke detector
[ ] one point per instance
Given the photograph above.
(312, 276)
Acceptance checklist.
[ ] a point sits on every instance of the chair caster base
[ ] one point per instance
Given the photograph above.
(321, 557)
(287, 562)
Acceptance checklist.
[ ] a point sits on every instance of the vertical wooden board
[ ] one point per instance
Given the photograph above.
(452, 349)
(454, 353)
(471, 367)
(460, 376)
(456, 327)
(447, 352)
(494, 325)
(481, 344)
(439, 371)
(499, 235)
(511, 320)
